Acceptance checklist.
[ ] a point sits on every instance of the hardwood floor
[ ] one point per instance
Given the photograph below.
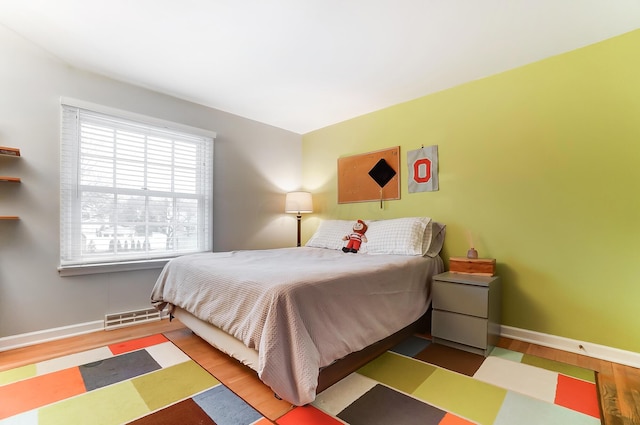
(618, 385)
(49, 350)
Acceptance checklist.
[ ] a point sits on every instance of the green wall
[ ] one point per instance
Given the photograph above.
(541, 165)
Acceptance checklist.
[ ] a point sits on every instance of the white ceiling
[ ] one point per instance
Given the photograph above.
(305, 64)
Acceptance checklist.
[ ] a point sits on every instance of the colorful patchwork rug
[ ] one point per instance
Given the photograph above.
(150, 381)
(143, 381)
(428, 384)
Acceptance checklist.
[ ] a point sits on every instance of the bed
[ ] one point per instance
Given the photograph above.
(295, 315)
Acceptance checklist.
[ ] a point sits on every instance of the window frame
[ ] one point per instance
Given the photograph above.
(70, 223)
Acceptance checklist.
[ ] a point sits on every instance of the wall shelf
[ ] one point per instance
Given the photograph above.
(12, 152)
(7, 151)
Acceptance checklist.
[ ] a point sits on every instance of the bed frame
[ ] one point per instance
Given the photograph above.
(340, 369)
(328, 375)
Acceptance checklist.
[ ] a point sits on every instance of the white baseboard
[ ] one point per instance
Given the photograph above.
(38, 337)
(46, 335)
(597, 351)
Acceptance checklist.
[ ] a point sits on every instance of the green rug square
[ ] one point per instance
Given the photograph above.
(112, 405)
(462, 395)
(503, 353)
(399, 372)
(175, 383)
(563, 368)
(18, 374)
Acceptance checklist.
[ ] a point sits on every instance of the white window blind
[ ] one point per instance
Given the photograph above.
(130, 191)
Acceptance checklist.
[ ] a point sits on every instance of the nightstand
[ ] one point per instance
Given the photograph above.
(466, 311)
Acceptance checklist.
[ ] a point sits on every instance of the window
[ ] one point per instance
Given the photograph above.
(132, 193)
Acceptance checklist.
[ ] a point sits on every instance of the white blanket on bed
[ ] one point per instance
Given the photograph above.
(301, 308)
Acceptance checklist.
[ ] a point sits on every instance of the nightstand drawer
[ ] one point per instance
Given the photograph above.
(466, 299)
(467, 330)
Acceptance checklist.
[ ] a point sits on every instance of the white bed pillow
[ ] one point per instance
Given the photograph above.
(399, 236)
(329, 234)
(433, 238)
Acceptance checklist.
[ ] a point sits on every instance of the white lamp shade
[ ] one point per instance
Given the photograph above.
(298, 202)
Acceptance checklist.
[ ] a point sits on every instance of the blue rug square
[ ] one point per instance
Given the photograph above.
(226, 408)
(411, 346)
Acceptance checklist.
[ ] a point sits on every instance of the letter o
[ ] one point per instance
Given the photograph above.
(418, 167)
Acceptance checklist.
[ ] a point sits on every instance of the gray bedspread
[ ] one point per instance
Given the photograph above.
(300, 308)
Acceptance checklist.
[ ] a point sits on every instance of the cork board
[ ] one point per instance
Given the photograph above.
(356, 185)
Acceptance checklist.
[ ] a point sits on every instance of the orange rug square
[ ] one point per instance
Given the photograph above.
(137, 344)
(39, 391)
(578, 395)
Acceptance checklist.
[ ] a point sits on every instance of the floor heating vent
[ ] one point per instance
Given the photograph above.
(128, 318)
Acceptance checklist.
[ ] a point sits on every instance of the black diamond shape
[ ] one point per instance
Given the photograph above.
(382, 173)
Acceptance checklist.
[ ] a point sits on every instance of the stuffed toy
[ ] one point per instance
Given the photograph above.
(355, 238)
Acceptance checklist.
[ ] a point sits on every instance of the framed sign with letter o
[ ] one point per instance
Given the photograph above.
(423, 169)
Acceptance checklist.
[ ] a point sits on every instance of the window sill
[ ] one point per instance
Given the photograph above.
(83, 269)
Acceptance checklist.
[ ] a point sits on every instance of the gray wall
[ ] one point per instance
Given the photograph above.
(255, 165)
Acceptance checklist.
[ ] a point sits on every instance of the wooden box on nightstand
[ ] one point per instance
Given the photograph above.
(479, 266)
(466, 311)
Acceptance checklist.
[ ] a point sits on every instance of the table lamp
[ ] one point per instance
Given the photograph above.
(298, 203)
